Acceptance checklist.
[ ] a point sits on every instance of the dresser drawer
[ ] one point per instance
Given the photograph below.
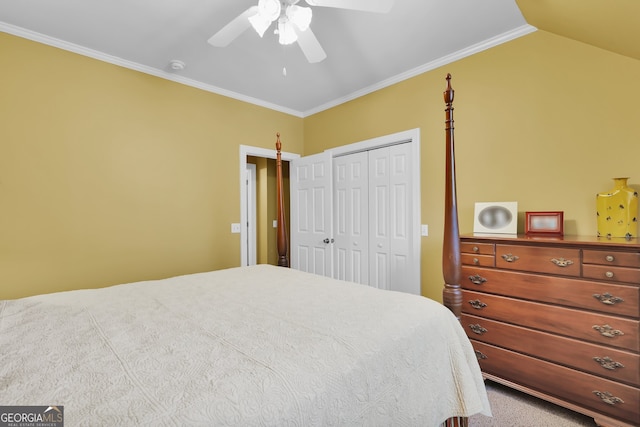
(599, 360)
(605, 297)
(561, 382)
(561, 261)
(477, 248)
(620, 259)
(480, 260)
(583, 325)
(610, 273)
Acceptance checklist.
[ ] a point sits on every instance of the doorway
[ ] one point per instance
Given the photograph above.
(258, 156)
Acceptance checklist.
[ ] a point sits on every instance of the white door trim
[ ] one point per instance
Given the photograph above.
(411, 136)
(246, 150)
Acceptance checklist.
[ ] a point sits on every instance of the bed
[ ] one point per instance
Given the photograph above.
(247, 346)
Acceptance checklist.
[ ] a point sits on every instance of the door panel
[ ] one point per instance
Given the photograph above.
(351, 201)
(400, 236)
(311, 214)
(379, 209)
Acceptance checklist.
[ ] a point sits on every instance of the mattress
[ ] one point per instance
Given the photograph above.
(246, 346)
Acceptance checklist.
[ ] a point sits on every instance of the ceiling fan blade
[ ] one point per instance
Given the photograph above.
(233, 29)
(310, 45)
(381, 6)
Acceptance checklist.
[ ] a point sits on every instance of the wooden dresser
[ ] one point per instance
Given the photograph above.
(558, 318)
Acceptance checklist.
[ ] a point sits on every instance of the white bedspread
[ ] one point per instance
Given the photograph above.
(251, 346)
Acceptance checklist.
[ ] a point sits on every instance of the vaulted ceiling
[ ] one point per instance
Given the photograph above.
(612, 25)
(365, 51)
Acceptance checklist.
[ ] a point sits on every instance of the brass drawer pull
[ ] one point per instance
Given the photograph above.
(510, 257)
(608, 398)
(609, 258)
(609, 274)
(477, 279)
(608, 331)
(608, 363)
(476, 261)
(477, 304)
(480, 355)
(475, 249)
(561, 262)
(477, 329)
(607, 298)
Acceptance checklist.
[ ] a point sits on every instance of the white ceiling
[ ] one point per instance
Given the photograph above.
(365, 51)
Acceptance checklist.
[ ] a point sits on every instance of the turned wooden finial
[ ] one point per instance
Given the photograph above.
(448, 93)
(278, 143)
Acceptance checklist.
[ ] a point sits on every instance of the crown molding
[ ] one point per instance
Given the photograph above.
(101, 56)
(473, 49)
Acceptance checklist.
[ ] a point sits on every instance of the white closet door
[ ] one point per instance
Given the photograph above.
(400, 230)
(375, 188)
(311, 214)
(390, 239)
(351, 217)
(379, 200)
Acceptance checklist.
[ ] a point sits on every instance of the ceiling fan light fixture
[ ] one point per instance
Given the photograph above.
(300, 16)
(286, 32)
(259, 23)
(270, 9)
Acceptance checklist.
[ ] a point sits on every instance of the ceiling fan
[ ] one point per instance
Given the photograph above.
(293, 22)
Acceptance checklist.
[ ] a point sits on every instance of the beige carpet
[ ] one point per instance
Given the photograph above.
(512, 408)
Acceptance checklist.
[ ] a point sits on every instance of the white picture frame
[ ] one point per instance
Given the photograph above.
(495, 218)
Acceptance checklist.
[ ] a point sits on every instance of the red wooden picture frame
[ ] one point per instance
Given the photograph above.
(549, 223)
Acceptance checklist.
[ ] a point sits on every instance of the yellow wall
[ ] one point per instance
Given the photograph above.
(108, 175)
(542, 120)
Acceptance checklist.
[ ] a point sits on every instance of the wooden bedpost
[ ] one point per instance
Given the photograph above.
(281, 229)
(451, 264)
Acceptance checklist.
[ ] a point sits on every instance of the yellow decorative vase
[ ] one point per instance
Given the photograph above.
(617, 211)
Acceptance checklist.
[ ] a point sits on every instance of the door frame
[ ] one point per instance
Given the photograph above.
(247, 150)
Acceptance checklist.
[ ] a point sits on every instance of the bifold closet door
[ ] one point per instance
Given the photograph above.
(371, 217)
(389, 218)
(351, 218)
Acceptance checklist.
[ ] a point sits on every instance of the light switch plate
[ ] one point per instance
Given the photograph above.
(235, 227)
(424, 230)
